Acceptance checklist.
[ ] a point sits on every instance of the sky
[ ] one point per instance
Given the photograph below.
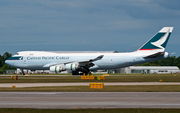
(86, 25)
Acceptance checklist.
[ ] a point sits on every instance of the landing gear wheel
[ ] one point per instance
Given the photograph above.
(75, 73)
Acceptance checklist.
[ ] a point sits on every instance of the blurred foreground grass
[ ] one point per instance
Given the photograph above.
(117, 110)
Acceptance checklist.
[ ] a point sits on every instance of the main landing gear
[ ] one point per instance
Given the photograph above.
(82, 70)
(81, 73)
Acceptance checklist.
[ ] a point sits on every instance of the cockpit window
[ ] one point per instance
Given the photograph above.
(17, 53)
(15, 58)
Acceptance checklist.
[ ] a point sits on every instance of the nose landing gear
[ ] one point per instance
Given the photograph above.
(22, 72)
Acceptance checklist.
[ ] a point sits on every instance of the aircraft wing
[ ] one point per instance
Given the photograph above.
(92, 60)
(82, 63)
(88, 63)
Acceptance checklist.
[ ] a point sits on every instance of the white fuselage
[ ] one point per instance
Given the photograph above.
(41, 60)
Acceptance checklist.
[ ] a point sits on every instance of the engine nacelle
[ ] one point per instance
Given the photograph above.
(57, 69)
(72, 67)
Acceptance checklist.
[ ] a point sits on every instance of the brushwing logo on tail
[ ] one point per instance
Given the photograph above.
(161, 41)
(158, 41)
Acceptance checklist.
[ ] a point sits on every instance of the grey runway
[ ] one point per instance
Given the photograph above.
(85, 84)
(69, 100)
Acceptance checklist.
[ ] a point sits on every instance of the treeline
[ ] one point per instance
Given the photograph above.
(3, 66)
(169, 61)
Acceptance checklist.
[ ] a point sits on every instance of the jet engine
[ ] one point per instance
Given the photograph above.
(59, 68)
(72, 67)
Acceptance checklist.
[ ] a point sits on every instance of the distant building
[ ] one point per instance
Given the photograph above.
(10, 71)
(48, 71)
(36, 71)
(152, 69)
(128, 70)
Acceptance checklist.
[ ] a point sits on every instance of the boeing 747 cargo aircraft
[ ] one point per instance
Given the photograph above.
(85, 62)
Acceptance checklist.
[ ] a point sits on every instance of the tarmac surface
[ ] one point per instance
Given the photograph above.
(74, 100)
(84, 84)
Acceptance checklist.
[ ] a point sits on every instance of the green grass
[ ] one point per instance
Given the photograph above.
(143, 88)
(120, 78)
(118, 110)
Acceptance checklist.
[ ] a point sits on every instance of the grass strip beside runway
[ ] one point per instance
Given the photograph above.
(131, 88)
(118, 78)
(118, 110)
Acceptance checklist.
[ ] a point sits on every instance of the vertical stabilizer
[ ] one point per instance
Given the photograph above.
(158, 41)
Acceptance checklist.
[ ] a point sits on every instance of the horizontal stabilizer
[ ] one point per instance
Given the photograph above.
(155, 55)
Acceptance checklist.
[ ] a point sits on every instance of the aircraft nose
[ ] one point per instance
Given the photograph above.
(6, 61)
(10, 63)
